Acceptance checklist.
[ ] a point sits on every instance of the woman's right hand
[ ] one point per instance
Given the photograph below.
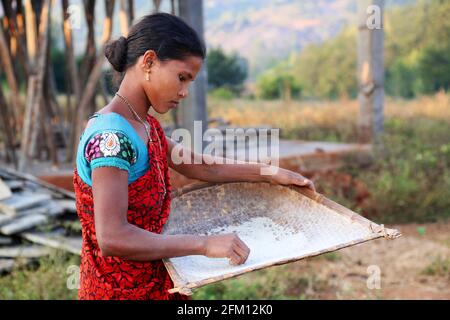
(227, 246)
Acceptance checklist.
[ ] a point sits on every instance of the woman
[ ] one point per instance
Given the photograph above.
(121, 177)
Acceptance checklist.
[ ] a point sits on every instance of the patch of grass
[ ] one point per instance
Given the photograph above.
(332, 256)
(277, 283)
(46, 279)
(409, 180)
(439, 267)
(447, 242)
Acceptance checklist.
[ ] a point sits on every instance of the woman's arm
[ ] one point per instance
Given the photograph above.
(214, 169)
(117, 237)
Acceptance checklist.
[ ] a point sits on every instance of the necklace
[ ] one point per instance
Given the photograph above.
(136, 115)
(147, 130)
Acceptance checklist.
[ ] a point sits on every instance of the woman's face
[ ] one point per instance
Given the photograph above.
(168, 81)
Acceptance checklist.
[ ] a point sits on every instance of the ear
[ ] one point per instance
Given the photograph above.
(148, 60)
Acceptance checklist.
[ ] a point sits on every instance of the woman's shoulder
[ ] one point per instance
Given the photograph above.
(106, 122)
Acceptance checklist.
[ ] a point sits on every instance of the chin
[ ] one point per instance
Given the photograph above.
(161, 110)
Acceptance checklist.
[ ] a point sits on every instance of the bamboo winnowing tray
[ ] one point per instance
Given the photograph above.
(317, 223)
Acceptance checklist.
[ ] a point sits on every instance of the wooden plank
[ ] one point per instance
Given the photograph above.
(4, 218)
(23, 223)
(50, 208)
(17, 202)
(6, 265)
(5, 241)
(5, 191)
(55, 240)
(67, 205)
(14, 184)
(15, 174)
(24, 251)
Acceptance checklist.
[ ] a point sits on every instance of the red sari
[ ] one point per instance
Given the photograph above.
(115, 278)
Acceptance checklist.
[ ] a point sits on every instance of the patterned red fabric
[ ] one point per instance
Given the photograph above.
(113, 277)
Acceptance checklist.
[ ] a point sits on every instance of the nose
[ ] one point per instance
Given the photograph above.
(183, 93)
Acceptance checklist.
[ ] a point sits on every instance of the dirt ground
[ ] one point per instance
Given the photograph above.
(414, 266)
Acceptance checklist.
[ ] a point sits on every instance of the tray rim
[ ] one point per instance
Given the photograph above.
(378, 231)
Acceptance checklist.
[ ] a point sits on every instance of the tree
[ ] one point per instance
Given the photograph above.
(229, 71)
(434, 69)
(275, 84)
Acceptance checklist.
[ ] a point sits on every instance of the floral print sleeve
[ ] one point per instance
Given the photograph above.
(110, 149)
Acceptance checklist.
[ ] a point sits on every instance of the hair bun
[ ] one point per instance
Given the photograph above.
(116, 53)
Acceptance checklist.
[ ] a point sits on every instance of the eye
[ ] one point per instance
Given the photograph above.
(182, 78)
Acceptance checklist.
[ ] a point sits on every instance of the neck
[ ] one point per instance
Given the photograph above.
(135, 96)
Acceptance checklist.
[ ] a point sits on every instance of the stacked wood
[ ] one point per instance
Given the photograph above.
(35, 217)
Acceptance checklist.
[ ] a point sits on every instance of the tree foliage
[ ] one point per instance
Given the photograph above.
(417, 56)
(226, 71)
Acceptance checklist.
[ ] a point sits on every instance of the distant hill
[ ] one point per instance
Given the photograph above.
(262, 31)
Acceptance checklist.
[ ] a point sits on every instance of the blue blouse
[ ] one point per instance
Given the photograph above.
(111, 141)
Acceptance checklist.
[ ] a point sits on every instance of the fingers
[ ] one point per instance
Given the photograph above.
(240, 251)
(303, 182)
(234, 258)
(242, 245)
(311, 186)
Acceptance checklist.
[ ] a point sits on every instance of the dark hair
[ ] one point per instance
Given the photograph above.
(168, 35)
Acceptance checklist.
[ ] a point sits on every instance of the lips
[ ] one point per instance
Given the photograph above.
(174, 103)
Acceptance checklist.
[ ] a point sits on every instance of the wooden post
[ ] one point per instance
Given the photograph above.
(173, 112)
(41, 66)
(156, 5)
(90, 88)
(31, 126)
(124, 18)
(72, 76)
(31, 33)
(370, 70)
(89, 58)
(194, 107)
(131, 11)
(90, 51)
(8, 132)
(10, 77)
(16, 26)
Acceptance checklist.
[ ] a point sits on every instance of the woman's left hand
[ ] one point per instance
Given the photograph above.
(287, 177)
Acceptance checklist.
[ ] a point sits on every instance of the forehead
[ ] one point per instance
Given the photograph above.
(190, 64)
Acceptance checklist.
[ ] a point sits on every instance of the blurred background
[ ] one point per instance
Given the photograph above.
(358, 89)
